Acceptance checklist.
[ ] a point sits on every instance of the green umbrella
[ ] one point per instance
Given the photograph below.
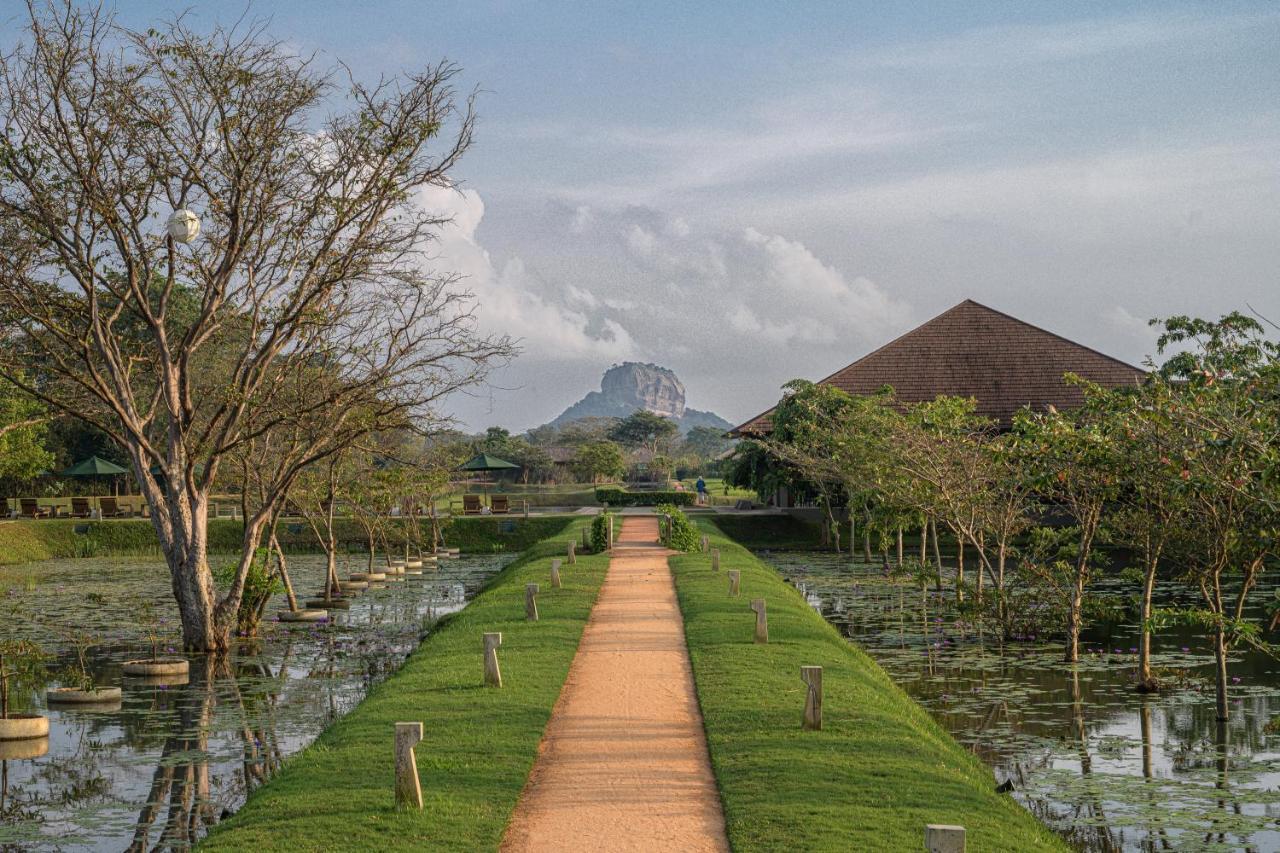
(485, 462)
(94, 466)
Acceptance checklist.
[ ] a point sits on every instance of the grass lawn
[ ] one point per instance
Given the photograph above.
(879, 770)
(479, 744)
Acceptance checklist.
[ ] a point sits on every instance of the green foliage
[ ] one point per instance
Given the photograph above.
(22, 434)
(260, 583)
(644, 429)
(681, 534)
(597, 460)
(483, 741)
(22, 662)
(600, 531)
(621, 497)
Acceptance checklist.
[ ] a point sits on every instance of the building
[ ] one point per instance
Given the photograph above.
(975, 351)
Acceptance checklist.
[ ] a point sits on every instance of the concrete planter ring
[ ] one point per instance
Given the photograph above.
(25, 749)
(368, 576)
(76, 696)
(413, 564)
(160, 680)
(24, 727)
(347, 586)
(303, 615)
(334, 603)
(157, 667)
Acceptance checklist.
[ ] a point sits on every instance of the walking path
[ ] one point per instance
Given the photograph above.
(623, 764)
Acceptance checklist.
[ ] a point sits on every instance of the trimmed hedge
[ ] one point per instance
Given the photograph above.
(618, 497)
(47, 539)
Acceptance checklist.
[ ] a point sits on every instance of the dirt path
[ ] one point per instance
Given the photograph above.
(623, 764)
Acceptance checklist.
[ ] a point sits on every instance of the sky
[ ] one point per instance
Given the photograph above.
(749, 193)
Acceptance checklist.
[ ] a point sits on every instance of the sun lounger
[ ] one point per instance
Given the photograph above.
(32, 509)
(80, 508)
(471, 505)
(500, 505)
(111, 508)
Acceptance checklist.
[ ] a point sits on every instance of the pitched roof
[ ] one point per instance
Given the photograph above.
(975, 351)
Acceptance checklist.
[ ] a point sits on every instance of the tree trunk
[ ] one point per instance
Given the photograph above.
(937, 551)
(900, 552)
(1072, 651)
(959, 569)
(866, 544)
(1147, 682)
(284, 570)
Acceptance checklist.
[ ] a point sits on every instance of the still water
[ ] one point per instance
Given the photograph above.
(158, 769)
(1108, 768)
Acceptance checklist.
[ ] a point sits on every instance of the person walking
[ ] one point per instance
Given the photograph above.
(701, 486)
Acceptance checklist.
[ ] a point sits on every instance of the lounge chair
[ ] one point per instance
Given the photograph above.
(471, 505)
(500, 504)
(31, 509)
(113, 509)
(6, 511)
(80, 508)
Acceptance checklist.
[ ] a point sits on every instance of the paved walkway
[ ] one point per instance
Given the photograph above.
(623, 764)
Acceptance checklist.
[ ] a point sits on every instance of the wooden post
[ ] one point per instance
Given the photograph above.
(812, 676)
(941, 838)
(408, 788)
(555, 573)
(586, 541)
(611, 533)
(715, 559)
(531, 602)
(735, 577)
(492, 674)
(762, 621)
(571, 555)
(706, 543)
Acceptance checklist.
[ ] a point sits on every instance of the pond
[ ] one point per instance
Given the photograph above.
(170, 760)
(1109, 768)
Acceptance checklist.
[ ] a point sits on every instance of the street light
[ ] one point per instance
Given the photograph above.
(184, 225)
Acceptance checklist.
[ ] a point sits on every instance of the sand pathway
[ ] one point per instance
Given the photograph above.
(623, 764)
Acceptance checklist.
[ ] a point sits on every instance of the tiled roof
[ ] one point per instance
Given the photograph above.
(975, 351)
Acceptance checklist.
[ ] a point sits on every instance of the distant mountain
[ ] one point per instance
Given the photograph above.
(628, 387)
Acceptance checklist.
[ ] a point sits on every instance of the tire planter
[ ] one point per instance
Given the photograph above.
(27, 748)
(368, 576)
(303, 615)
(168, 667)
(76, 696)
(24, 727)
(347, 586)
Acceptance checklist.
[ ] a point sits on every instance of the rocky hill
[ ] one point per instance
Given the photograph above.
(630, 386)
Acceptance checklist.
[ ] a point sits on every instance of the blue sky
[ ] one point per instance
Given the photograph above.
(747, 193)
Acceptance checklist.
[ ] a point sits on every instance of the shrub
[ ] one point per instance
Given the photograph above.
(618, 497)
(681, 534)
(600, 532)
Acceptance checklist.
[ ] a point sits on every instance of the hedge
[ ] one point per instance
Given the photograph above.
(618, 497)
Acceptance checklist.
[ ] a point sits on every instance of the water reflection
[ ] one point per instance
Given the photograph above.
(1109, 768)
(178, 755)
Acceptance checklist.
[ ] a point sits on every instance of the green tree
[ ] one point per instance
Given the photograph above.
(707, 442)
(598, 461)
(645, 429)
(23, 422)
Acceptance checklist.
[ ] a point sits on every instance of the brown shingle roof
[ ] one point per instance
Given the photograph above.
(975, 351)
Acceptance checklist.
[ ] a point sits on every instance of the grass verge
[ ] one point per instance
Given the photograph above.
(879, 770)
(479, 745)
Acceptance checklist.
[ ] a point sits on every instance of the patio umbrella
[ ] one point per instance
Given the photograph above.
(94, 466)
(485, 462)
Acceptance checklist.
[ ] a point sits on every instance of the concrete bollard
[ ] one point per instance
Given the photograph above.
(941, 838)
(531, 602)
(555, 573)
(812, 676)
(492, 674)
(762, 621)
(571, 555)
(586, 540)
(715, 559)
(408, 788)
(735, 578)
(610, 532)
(706, 543)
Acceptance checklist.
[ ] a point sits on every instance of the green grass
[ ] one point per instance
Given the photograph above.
(479, 744)
(770, 531)
(879, 770)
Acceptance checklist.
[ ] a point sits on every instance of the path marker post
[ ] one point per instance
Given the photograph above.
(492, 674)
(586, 542)
(531, 602)
(408, 788)
(715, 559)
(943, 838)
(555, 573)
(735, 578)
(762, 620)
(706, 543)
(610, 520)
(812, 676)
(571, 555)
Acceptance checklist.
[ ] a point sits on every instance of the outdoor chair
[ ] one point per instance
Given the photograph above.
(111, 508)
(80, 508)
(500, 504)
(31, 509)
(6, 511)
(471, 505)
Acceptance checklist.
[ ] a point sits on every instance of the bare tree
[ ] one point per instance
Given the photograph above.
(310, 257)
